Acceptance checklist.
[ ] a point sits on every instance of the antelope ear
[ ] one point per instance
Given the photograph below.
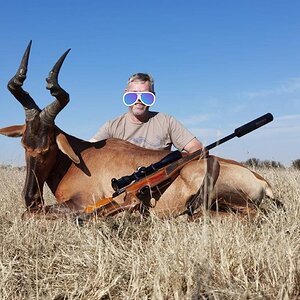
(13, 131)
(66, 148)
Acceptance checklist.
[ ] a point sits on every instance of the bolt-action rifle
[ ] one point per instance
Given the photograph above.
(141, 182)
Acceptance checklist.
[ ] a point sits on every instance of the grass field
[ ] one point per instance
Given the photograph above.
(129, 258)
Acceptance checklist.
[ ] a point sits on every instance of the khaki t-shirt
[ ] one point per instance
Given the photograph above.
(161, 131)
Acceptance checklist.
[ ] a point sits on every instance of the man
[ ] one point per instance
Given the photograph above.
(148, 129)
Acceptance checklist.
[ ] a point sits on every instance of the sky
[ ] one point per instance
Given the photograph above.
(216, 65)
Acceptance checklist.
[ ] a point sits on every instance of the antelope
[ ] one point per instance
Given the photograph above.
(79, 172)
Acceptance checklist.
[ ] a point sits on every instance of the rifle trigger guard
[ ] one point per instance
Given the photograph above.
(145, 190)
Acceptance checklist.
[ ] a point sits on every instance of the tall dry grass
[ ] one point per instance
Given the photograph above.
(130, 258)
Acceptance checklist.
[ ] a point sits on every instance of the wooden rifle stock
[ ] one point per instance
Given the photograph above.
(170, 171)
(102, 202)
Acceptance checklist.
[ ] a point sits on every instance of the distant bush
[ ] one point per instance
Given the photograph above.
(272, 164)
(257, 163)
(252, 162)
(10, 167)
(296, 164)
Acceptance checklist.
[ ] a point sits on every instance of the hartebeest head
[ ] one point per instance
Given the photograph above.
(40, 137)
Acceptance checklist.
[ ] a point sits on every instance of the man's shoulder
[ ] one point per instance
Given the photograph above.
(161, 115)
(117, 120)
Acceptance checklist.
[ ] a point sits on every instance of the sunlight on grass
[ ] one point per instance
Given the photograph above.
(129, 258)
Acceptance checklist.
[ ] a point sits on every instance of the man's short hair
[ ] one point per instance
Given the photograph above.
(143, 77)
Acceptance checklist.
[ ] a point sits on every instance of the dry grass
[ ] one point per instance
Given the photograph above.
(129, 258)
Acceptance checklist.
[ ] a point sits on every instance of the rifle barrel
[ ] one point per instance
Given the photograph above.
(244, 129)
(238, 132)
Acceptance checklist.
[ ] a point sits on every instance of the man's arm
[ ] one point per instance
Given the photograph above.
(102, 134)
(193, 145)
(182, 138)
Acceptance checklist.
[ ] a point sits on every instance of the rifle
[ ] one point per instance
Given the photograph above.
(163, 172)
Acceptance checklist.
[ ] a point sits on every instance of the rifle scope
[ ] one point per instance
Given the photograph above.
(117, 184)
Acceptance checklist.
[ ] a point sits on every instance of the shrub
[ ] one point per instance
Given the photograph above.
(257, 163)
(272, 164)
(296, 164)
(252, 162)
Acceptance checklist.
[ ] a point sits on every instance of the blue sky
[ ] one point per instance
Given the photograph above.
(216, 65)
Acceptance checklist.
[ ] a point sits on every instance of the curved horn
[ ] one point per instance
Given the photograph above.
(49, 113)
(15, 87)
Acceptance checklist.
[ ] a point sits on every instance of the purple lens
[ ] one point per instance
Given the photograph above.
(148, 98)
(129, 98)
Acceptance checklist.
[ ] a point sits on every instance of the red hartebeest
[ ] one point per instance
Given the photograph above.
(79, 172)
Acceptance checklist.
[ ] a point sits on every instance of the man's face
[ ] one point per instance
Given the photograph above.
(139, 109)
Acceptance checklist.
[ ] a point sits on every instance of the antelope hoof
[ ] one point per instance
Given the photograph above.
(30, 214)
